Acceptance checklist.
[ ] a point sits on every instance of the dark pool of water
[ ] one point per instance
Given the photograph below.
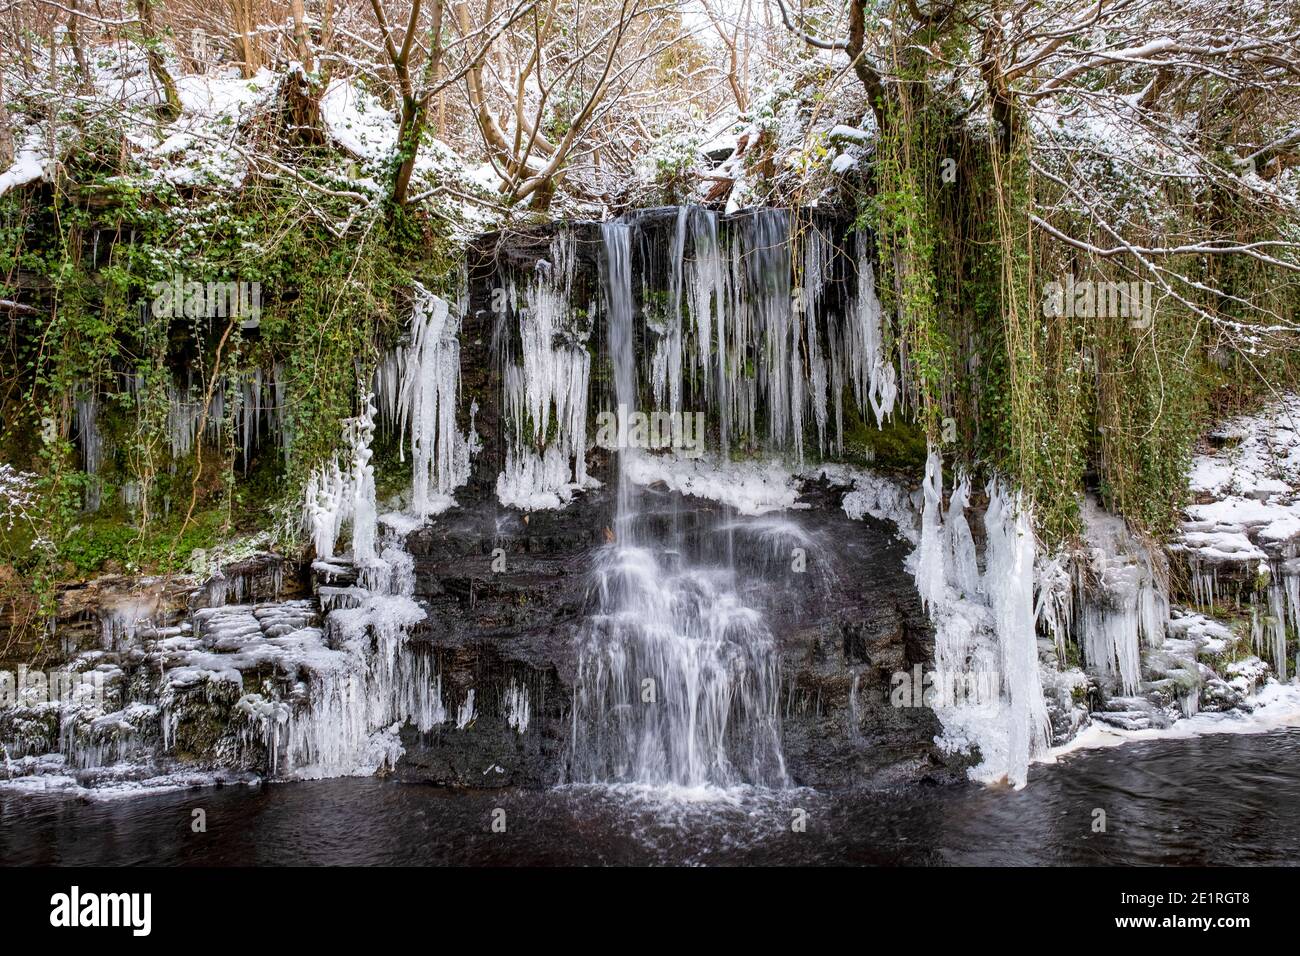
(1219, 800)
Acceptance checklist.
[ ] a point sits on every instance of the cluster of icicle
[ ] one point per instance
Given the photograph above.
(259, 411)
(756, 337)
(1110, 598)
(546, 388)
(418, 389)
(358, 686)
(1271, 626)
(734, 338)
(352, 709)
(348, 722)
(1274, 606)
(342, 494)
(985, 623)
(1123, 600)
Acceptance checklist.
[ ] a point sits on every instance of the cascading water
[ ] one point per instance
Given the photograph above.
(678, 676)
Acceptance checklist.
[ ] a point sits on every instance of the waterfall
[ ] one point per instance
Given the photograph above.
(678, 675)
(617, 264)
(759, 321)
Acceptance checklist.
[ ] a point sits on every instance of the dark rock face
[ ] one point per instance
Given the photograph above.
(843, 626)
(508, 594)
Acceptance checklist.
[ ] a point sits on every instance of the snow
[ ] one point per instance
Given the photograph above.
(1275, 707)
(121, 781)
(358, 122)
(1250, 530)
(843, 164)
(1255, 482)
(30, 162)
(850, 134)
(751, 487)
(876, 496)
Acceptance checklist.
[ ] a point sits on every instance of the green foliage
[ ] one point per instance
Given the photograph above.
(93, 246)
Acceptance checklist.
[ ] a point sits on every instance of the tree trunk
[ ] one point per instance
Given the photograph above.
(6, 134)
(415, 108)
(246, 48)
(171, 105)
(301, 41)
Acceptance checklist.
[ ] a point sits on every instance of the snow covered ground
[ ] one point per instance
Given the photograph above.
(1249, 490)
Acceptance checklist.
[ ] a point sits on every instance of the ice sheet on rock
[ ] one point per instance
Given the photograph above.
(751, 487)
(875, 495)
(1126, 605)
(1274, 707)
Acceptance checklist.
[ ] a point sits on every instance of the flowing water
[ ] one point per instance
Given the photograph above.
(677, 677)
(1216, 800)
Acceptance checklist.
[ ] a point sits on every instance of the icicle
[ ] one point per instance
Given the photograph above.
(427, 400)
(515, 706)
(334, 496)
(1128, 604)
(960, 543)
(929, 553)
(362, 481)
(871, 373)
(549, 379)
(91, 443)
(1009, 581)
(465, 713)
(183, 413)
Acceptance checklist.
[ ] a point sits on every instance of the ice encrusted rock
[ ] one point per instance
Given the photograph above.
(1241, 538)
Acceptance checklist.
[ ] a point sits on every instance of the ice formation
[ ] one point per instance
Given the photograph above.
(259, 410)
(986, 650)
(338, 495)
(761, 324)
(91, 443)
(419, 390)
(1125, 606)
(515, 705)
(1009, 584)
(1241, 540)
(546, 386)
